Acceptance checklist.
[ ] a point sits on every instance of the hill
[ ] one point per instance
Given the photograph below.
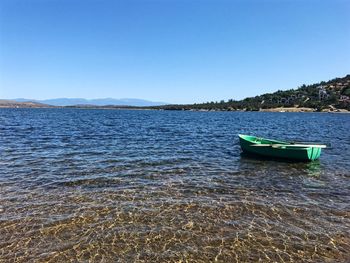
(27, 104)
(332, 95)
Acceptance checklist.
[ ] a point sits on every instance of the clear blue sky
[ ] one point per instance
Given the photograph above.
(177, 51)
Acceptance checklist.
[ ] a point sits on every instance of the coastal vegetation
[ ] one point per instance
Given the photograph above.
(331, 96)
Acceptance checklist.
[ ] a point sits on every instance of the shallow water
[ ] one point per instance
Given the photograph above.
(160, 186)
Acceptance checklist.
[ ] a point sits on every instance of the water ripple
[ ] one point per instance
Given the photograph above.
(153, 186)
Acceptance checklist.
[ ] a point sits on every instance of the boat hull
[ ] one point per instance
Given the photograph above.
(250, 144)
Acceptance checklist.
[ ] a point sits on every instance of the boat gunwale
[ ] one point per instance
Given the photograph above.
(282, 145)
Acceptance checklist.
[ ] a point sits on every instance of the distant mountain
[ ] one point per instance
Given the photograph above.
(96, 102)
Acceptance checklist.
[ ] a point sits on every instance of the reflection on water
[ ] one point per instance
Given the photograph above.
(80, 185)
(253, 161)
(314, 169)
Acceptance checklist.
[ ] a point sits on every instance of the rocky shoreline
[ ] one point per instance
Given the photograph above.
(295, 109)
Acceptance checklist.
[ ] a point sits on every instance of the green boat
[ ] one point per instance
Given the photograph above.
(280, 149)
